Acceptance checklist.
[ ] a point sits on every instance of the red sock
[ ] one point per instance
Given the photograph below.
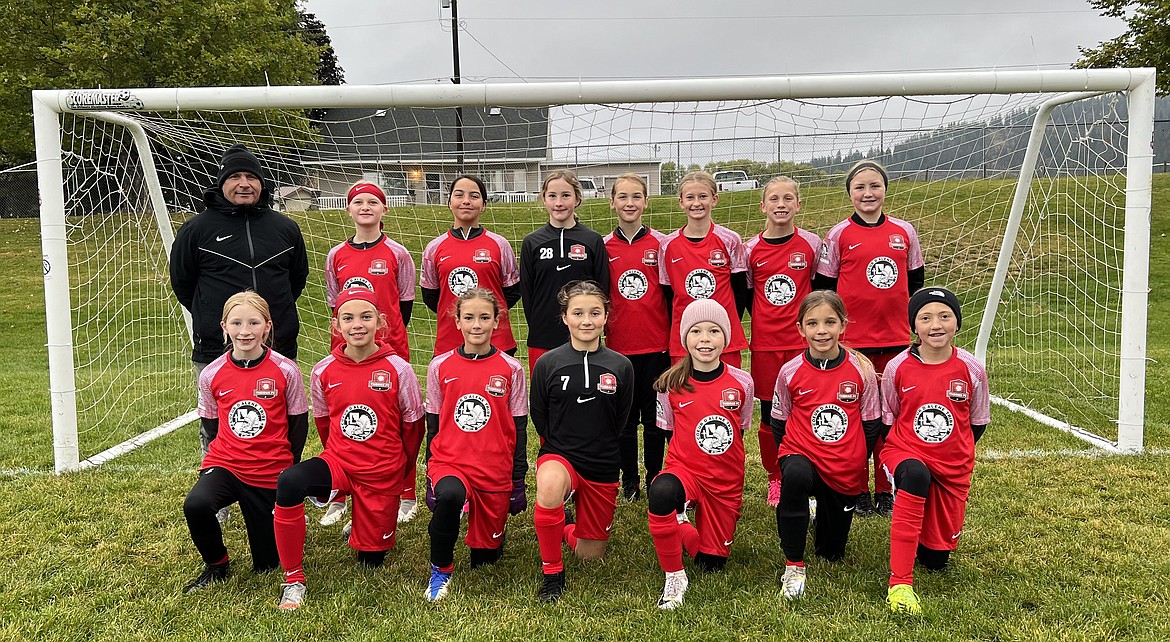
(408, 486)
(796, 564)
(222, 561)
(881, 483)
(689, 535)
(905, 529)
(289, 524)
(550, 532)
(571, 536)
(768, 451)
(667, 543)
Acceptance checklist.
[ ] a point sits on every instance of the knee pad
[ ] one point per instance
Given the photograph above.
(666, 495)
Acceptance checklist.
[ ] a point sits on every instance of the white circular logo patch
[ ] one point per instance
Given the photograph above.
(829, 422)
(247, 419)
(780, 289)
(700, 284)
(472, 413)
(933, 423)
(359, 422)
(632, 285)
(358, 282)
(882, 273)
(462, 279)
(713, 434)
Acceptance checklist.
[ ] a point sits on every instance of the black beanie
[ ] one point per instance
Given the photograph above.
(935, 295)
(237, 158)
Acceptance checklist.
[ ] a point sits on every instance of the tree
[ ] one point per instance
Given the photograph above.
(328, 71)
(57, 44)
(1145, 43)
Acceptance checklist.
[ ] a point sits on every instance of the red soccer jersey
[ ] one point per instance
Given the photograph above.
(708, 427)
(476, 400)
(780, 276)
(367, 403)
(252, 406)
(931, 407)
(871, 265)
(638, 321)
(387, 270)
(824, 410)
(452, 265)
(702, 270)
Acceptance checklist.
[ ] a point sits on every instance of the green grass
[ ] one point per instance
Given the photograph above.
(1055, 546)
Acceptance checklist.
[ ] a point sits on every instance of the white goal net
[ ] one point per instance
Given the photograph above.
(1052, 177)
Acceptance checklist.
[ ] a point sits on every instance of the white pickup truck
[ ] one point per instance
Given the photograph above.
(735, 181)
(592, 188)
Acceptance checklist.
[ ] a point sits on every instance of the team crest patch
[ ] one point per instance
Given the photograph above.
(650, 257)
(847, 392)
(731, 399)
(497, 386)
(714, 434)
(577, 253)
(957, 390)
(780, 289)
(933, 423)
(607, 383)
(247, 419)
(265, 388)
(633, 285)
(359, 422)
(378, 267)
(472, 413)
(380, 381)
(717, 258)
(829, 422)
(700, 284)
(462, 279)
(897, 242)
(358, 282)
(882, 273)
(482, 255)
(798, 261)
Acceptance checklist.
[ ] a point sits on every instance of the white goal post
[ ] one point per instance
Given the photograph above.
(1050, 307)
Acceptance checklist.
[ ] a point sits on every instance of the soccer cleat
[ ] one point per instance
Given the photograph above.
(440, 583)
(903, 599)
(885, 504)
(774, 493)
(551, 589)
(291, 596)
(333, 514)
(673, 591)
(407, 509)
(631, 492)
(812, 509)
(570, 518)
(347, 529)
(864, 505)
(792, 582)
(212, 573)
(223, 515)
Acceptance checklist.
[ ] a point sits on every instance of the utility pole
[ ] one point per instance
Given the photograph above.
(456, 80)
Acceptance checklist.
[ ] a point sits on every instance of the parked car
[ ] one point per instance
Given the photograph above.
(592, 188)
(735, 180)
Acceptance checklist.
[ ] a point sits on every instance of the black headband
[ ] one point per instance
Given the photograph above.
(866, 165)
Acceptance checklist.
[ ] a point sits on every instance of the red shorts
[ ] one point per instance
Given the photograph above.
(766, 369)
(729, 357)
(716, 514)
(945, 509)
(595, 501)
(487, 511)
(375, 506)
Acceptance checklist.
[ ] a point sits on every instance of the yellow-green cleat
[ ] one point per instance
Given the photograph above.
(903, 599)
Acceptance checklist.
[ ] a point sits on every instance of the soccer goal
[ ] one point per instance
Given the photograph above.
(1030, 190)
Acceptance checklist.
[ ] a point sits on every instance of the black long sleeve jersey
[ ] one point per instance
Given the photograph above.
(579, 403)
(550, 257)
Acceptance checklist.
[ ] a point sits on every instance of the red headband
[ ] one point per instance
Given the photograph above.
(366, 188)
(355, 294)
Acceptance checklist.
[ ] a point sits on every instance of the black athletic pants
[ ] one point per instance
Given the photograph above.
(311, 478)
(647, 367)
(834, 511)
(444, 527)
(216, 488)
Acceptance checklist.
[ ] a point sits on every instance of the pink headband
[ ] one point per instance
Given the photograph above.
(366, 188)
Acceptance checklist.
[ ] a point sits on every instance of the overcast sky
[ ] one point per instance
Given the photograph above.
(404, 41)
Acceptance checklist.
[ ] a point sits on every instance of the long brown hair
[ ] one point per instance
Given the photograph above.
(676, 377)
(833, 300)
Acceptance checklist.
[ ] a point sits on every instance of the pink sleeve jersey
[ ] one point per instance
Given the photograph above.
(871, 265)
(252, 406)
(638, 322)
(452, 265)
(702, 270)
(386, 269)
(930, 409)
(780, 276)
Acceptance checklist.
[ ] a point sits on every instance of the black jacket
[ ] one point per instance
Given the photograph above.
(547, 263)
(226, 249)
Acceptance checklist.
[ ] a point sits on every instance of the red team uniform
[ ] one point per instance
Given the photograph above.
(452, 265)
(702, 270)
(385, 268)
(638, 322)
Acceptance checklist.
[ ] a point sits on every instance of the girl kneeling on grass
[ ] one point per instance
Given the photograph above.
(477, 421)
(369, 396)
(937, 405)
(708, 406)
(258, 399)
(826, 416)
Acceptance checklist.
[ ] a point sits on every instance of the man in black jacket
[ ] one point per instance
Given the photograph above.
(238, 242)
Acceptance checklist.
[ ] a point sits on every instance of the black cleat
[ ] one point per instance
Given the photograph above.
(212, 573)
(865, 506)
(631, 492)
(551, 589)
(569, 517)
(885, 504)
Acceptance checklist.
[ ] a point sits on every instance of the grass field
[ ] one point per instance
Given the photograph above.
(1057, 545)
